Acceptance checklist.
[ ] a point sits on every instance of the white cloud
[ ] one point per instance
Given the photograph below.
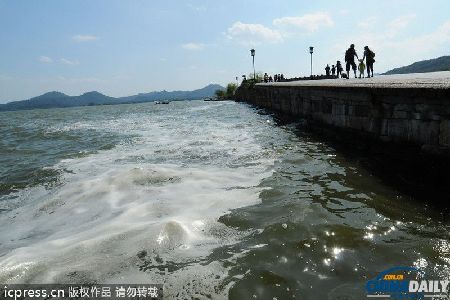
(48, 60)
(309, 23)
(253, 34)
(367, 23)
(402, 21)
(422, 46)
(69, 62)
(398, 24)
(193, 46)
(84, 38)
(45, 59)
(393, 27)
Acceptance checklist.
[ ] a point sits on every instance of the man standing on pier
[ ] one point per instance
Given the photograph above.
(350, 59)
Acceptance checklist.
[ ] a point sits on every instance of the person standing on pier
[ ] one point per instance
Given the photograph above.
(350, 59)
(339, 68)
(333, 70)
(369, 55)
(327, 70)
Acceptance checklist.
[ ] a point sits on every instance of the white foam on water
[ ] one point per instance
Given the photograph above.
(146, 210)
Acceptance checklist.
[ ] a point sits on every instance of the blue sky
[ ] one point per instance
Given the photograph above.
(126, 47)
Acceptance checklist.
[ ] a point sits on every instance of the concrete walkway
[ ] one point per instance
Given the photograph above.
(436, 80)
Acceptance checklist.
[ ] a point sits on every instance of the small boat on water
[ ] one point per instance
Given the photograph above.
(210, 99)
(162, 102)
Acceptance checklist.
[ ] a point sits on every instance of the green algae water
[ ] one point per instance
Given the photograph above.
(213, 199)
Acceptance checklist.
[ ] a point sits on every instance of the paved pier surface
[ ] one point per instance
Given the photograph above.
(436, 80)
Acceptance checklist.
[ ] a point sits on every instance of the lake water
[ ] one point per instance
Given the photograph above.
(213, 199)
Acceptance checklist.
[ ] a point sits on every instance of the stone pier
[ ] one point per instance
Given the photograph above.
(413, 109)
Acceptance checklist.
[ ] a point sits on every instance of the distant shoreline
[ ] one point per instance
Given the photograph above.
(61, 100)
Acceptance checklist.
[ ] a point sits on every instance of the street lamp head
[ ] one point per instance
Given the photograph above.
(311, 50)
(252, 52)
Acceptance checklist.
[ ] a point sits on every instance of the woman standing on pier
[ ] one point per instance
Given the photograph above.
(370, 59)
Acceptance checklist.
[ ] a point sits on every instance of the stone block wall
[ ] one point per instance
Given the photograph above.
(418, 116)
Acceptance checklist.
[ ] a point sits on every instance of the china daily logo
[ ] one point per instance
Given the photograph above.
(406, 283)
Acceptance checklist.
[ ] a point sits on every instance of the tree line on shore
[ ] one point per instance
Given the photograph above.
(227, 93)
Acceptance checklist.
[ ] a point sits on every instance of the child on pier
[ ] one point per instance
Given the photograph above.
(361, 68)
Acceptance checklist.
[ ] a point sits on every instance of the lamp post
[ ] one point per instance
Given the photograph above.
(252, 53)
(311, 51)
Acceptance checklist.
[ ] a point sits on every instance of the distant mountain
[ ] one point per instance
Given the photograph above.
(57, 99)
(425, 66)
(207, 91)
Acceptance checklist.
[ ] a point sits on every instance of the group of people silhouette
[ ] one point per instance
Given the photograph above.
(350, 54)
(337, 71)
(276, 78)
